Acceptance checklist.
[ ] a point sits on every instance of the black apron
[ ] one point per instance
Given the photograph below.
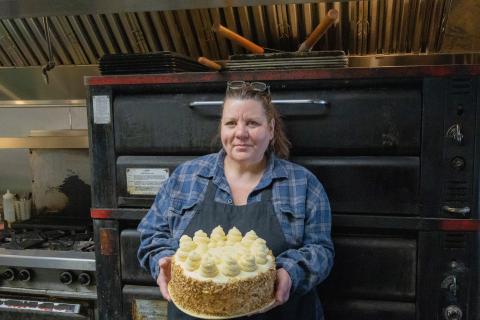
(259, 216)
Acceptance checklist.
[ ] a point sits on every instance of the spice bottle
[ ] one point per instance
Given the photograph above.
(9, 207)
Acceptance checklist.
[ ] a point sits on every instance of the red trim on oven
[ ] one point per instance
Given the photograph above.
(459, 225)
(100, 213)
(304, 74)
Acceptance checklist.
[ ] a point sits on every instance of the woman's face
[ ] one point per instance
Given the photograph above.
(245, 130)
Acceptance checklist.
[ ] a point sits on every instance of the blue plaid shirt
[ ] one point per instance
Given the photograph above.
(300, 203)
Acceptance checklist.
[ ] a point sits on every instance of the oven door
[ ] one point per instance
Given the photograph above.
(362, 185)
(140, 294)
(377, 121)
(143, 302)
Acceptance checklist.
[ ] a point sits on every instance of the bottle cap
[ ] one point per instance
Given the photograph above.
(8, 195)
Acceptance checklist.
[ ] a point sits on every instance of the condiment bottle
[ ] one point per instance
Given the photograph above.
(9, 207)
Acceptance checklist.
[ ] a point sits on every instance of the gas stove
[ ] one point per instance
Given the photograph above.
(47, 260)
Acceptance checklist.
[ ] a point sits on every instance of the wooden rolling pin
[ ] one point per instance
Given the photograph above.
(235, 37)
(209, 63)
(319, 31)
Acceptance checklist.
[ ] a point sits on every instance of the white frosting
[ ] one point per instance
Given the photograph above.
(208, 268)
(251, 235)
(230, 266)
(234, 235)
(247, 263)
(261, 259)
(193, 261)
(236, 259)
(201, 237)
(187, 246)
(260, 242)
(185, 238)
(181, 255)
(218, 234)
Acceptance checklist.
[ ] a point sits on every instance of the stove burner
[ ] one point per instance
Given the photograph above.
(27, 240)
(63, 235)
(50, 239)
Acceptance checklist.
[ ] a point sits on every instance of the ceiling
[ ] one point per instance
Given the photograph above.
(79, 36)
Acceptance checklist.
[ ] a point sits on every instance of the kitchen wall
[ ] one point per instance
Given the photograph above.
(15, 170)
(28, 84)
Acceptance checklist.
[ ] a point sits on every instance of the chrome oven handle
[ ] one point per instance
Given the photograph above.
(310, 106)
(194, 104)
(322, 103)
(462, 211)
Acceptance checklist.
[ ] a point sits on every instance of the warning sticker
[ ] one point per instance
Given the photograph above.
(101, 109)
(145, 181)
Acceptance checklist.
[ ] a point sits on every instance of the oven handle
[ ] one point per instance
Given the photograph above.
(287, 108)
(459, 211)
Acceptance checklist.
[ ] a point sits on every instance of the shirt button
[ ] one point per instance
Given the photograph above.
(229, 201)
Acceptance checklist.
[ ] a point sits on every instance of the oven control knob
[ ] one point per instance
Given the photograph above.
(8, 274)
(454, 132)
(453, 312)
(457, 163)
(24, 275)
(84, 279)
(66, 277)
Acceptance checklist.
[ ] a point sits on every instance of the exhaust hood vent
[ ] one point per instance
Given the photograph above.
(363, 27)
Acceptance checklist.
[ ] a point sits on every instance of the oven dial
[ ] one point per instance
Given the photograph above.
(24, 275)
(8, 274)
(66, 277)
(453, 312)
(457, 163)
(454, 132)
(84, 279)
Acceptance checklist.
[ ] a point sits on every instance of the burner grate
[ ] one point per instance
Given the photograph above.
(63, 235)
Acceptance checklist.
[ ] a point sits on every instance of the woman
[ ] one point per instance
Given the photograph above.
(247, 185)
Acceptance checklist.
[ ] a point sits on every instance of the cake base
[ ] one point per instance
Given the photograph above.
(205, 316)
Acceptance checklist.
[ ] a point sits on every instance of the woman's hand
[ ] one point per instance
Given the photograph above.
(164, 276)
(283, 283)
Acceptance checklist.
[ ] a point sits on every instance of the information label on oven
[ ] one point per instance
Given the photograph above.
(145, 181)
(41, 306)
(101, 109)
(149, 309)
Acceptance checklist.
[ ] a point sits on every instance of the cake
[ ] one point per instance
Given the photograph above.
(222, 275)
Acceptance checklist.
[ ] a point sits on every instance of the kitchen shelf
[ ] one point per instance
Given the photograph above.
(41, 139)
(77, 103)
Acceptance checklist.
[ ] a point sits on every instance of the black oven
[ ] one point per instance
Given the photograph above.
(396, 149)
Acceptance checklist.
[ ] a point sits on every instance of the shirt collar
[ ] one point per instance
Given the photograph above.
(211, 170)
(274, 170)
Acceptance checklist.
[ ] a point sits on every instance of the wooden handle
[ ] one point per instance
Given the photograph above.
(229, 34)
(209, 63)
(319, 31)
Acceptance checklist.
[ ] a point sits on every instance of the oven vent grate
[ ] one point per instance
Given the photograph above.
(456, 191)
(461, 86)
(455, 240)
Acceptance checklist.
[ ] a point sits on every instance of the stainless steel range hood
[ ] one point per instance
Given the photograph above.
(32, 8)
(83, 31)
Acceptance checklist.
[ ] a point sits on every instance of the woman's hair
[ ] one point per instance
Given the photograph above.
(260, 92)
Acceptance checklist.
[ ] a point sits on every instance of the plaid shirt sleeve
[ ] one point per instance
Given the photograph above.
(311, 263)
(156, 241)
